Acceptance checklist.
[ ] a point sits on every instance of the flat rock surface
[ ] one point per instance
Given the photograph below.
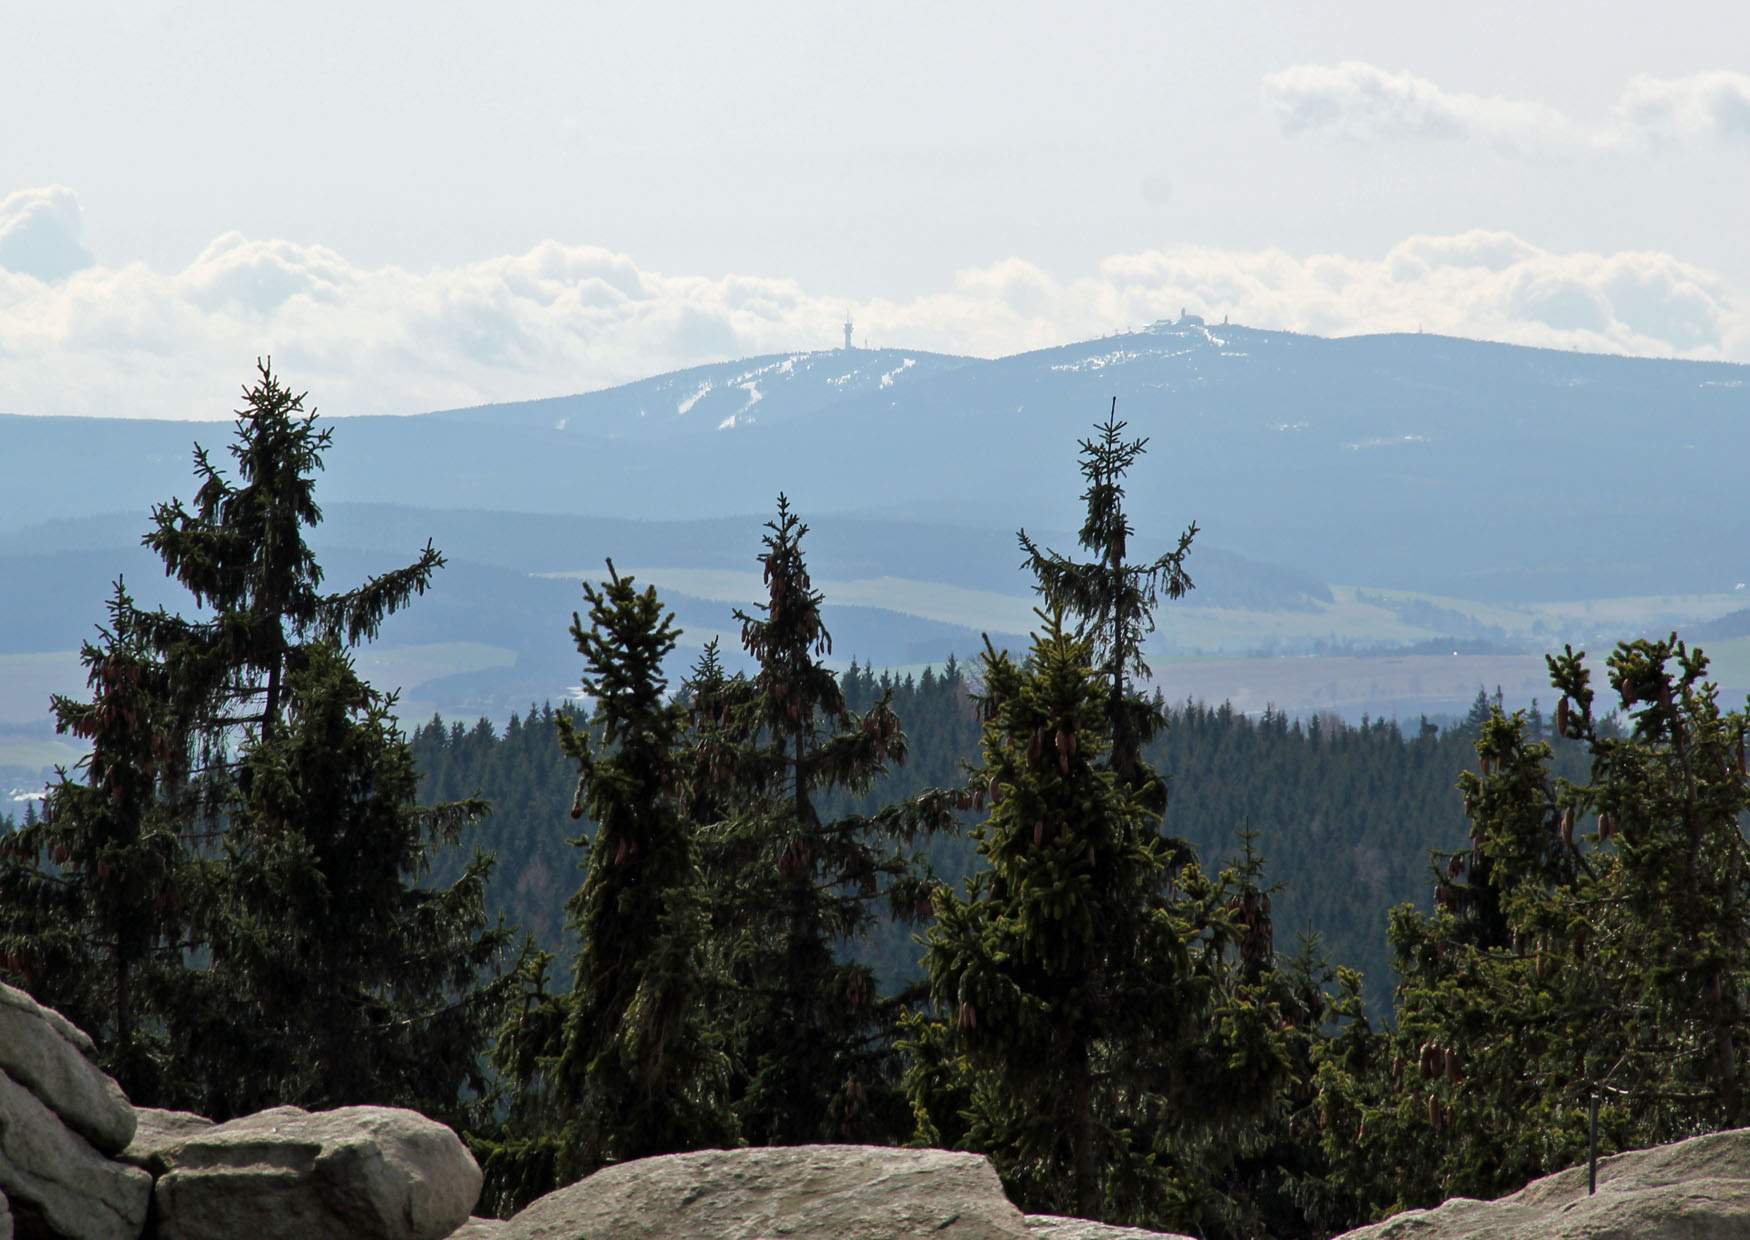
(1053, 1227)
(5, 1219)
(808, 1192)
(44, 1053)
(156, 1132)
(356, 1173)
(480, 1229)
(50, 1173)
(1697, 1189)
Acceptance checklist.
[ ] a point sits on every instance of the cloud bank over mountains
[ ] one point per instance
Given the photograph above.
(1363, 102)
(39, 233)
(80, 337)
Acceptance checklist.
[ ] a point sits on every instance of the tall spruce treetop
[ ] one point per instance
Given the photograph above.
(241, 552)
(626, 1067)
(643, 1073)
(807, 1030)
(1112, 599)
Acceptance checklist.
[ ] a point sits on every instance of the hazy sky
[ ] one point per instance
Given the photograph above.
(459, 203)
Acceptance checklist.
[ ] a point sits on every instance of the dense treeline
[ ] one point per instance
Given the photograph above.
(1346, 815)
(257, 890)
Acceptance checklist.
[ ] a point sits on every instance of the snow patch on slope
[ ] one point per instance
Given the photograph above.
(907, 364)
(686, 405)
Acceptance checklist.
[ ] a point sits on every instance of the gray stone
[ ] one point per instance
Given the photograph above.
(480, 1229)
(1697, 1189)
(808, 1192)
(156, 1132)
(357, 1173)
(5, 1219)
(1053, 1227)
(43, 1052)
(52, 1174)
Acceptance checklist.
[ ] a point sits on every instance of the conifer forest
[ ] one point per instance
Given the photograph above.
(1165, 963)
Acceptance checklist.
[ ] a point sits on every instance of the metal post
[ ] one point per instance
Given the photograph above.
(1592, 1144)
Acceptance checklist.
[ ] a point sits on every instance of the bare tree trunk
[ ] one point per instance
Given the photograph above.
(1086, 1173)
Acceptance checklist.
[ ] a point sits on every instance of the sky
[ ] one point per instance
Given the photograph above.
(418, 207)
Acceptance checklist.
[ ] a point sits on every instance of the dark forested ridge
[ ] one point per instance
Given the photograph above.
(1345, 816)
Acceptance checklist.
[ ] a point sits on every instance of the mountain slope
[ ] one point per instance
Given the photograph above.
(1416, 462)
(753, 391)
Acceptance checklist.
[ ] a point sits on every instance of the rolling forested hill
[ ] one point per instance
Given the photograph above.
(1345, 815)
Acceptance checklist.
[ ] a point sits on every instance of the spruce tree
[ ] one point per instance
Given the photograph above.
(240, 551)
(1593, 942)
(1111, 598)
(645, 1068)
(245, 836)
(1074, 979)
(337, 975)
(94, 893)
(628, 1066)
(810, 1037)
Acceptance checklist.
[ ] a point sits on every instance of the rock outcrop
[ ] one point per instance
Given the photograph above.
(481, 1229)
(1052, 1227)
(41, 1051)
(1697, 1189)
(808, 1192)
(56, 1183)
(363, 1173)
(78, 1163)
(157, 1132)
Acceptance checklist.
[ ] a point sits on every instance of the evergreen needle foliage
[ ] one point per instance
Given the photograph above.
(627, 1065)
(1108, 1016)
(1593, 941)
(94, 917)
(229, 897)
(810, 1037)
(1066, 979)
(1113, 599)
(337, 977)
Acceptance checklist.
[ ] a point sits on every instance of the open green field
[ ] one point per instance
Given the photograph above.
(1357, 615)
(929, 600)
(1631, 612)
(1212, 654)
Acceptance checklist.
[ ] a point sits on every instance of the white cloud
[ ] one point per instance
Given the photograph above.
(1715, 104)
(40, 231)
(1364, 102)
(130, 341)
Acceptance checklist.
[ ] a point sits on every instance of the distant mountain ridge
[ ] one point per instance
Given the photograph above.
(1403, 461)
(766, 390)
